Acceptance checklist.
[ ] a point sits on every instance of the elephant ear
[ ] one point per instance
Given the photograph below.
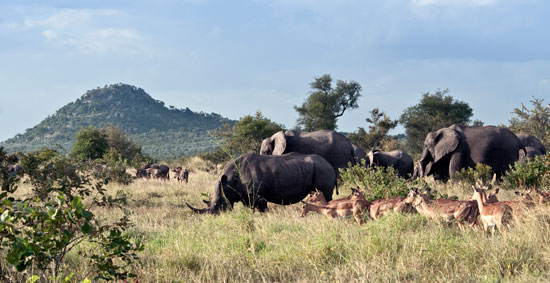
(279, 143)
(446, 142)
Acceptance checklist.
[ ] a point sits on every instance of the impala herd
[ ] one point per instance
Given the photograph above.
(482, 209)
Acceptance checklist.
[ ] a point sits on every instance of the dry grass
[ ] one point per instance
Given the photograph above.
(280, 246)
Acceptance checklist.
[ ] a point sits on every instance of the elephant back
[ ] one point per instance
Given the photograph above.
(493, 146)
(332, 146)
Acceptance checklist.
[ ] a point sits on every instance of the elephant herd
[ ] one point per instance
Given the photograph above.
(291, 164)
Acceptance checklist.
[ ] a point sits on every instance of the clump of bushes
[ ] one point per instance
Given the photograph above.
(379, 182)
(534, 173)
(41, 228)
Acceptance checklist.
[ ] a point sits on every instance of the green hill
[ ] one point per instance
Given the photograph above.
(164, 132)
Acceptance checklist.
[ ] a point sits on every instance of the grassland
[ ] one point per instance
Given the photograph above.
(280, 246)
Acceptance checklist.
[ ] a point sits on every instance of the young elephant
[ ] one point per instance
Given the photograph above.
(398, 159)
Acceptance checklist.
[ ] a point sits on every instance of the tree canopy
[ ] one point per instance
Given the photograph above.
(433, 112)
(377, 135)
(246, 135)
(326, 103)
(91, 143)
(535, 121)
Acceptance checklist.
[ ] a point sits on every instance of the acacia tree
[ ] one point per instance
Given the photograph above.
(377, 135)
(535, 121)
(435, 111)
(325, 104)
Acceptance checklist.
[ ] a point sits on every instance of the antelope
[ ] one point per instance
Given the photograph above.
(381, 207)
(465, 212)
(544, 197)
(518, 206)
(492, 214)
(354, 206)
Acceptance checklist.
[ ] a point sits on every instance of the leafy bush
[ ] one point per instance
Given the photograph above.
(379, 182)
(110, 168)
(467, 177)
(91, 143)
(535, 173)
(39, 229)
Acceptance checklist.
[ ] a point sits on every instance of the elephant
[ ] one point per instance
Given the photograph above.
(450, 149)
(398, 159)
(332, 146)
(255, 179)
(533, 146)
(359, 154)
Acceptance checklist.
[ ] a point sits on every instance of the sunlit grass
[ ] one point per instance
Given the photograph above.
(280, 246)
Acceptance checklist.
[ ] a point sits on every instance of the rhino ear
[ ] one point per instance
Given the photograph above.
(279, 143)
(446, 141)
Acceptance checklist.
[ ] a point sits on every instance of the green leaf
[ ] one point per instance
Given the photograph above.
(76, 202)
(86, 280)
(33, 279)
(86, 228)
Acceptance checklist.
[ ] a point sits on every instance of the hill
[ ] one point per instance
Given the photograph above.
(164, 132)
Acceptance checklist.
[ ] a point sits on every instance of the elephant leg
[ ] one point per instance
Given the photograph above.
(456, 163)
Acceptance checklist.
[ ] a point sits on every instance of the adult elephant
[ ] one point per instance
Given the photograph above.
(450, 149)
(330, 145)
(398, 159)
(359, 154)
(533, 146)
(256, 179)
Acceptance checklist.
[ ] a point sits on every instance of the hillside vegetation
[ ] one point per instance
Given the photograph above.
(163, 132)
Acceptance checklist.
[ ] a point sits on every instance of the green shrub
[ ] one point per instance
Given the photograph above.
(534, 173)
(39, 229)
(379, 182)
(470, 176)
(111, 168)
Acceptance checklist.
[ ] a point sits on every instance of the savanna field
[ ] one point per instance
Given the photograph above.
(280, 246)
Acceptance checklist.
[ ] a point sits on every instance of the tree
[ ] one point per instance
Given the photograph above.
(377, 135)
(325, 104)
(534, 121)
(120, 142)
(91, 143)
(435, 111)
(246, 135)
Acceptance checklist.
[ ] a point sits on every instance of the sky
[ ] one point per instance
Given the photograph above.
(241, 56)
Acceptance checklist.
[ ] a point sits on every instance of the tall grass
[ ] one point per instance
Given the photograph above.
(279, 246)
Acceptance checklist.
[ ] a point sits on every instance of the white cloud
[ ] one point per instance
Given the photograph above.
(87, 31)
(454, 2)
(100, 41)
(544, 82)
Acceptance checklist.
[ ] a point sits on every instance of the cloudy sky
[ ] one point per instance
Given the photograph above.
(237, 57)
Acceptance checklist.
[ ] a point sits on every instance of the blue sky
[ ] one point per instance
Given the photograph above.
(237, 57)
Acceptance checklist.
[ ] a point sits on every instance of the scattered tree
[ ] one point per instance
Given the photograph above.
(535, 121)
(325, 104)
(246, 135)
(91, 143)
(377, 135)
(435, 111)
